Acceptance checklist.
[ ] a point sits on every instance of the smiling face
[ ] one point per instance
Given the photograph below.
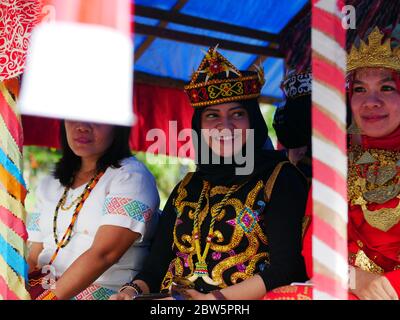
(89, 140)
(224, 128)
(375, 102)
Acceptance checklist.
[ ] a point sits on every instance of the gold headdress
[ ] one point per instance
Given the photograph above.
(374, 54)
(218, 81)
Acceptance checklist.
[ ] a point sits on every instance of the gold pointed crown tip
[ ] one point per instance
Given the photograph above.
(374, 53)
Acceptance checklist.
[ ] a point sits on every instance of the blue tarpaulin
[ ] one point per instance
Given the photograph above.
(177, 60)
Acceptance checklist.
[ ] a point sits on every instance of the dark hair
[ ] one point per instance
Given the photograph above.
(70, 163)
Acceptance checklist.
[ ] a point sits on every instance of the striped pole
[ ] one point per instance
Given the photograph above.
(13, 235)
(17, 18)
(329, 191)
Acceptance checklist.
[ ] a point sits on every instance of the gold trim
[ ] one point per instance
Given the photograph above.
(364, 263)
(224, 100)
(219, 81)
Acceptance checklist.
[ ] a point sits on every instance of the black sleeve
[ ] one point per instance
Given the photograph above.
(283, 228)
(156, 264)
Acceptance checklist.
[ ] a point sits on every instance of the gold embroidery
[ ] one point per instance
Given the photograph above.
(219, 190)
(251, 231)
(252, 264)
(237, 233)
(219, 236)
(382, 219)
(285, 289)
(239, 276)
(236, 259)
(364, 263)
(373, 179)
(178, 267)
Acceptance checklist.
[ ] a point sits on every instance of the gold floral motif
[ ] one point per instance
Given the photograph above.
(364, 263)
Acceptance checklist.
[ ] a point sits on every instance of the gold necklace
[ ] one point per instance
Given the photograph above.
(201, 268)
(64, 200)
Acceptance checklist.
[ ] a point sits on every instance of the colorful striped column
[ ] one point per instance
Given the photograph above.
(13, 235)
(18, 18)
(329, 189)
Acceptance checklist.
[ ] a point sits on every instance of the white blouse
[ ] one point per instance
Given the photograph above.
(126, 197)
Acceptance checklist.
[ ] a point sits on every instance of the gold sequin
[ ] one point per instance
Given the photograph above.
(364, 263)
(380, 185)
(239, 258)
(219, 190)
(221, 243)
(386, 163)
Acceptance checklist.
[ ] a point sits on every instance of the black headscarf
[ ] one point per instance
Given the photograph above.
(225, 174)
(292, 122)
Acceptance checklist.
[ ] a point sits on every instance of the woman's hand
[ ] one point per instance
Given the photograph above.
(369, 286)
(126, 294)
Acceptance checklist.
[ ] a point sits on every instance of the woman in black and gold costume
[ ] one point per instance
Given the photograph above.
(232, 234)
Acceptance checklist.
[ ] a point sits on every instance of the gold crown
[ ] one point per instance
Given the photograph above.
(218, 81)
(375, 54)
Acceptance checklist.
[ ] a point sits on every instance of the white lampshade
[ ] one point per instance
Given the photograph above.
(79, 71)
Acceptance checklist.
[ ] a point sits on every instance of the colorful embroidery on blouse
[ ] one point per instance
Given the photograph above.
(33, 224)
(127, 207)
(94, 292)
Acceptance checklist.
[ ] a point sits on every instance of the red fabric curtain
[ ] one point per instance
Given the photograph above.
(154, 107)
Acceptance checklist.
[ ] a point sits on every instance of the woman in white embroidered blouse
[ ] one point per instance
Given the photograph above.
(95, 217)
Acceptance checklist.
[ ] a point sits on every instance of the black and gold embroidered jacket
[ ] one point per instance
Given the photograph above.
(258, 231)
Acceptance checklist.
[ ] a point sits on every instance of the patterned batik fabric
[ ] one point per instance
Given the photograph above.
(17, 19)
(94, 292)
(127, 207)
